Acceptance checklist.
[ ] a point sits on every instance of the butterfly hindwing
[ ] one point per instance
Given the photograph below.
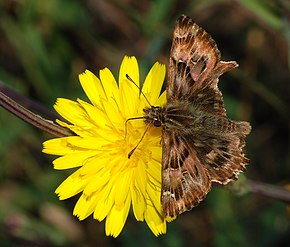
(219, 146)
(185, 182)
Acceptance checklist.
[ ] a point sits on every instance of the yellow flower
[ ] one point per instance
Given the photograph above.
(109, 182)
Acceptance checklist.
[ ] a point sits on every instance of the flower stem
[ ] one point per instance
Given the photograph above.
(30, 117)
(269, 190)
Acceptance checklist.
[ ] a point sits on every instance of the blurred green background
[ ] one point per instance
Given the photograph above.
(44, 45)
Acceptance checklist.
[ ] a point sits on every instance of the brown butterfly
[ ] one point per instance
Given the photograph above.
(200, 144)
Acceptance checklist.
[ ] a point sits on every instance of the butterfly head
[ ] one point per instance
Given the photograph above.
(154, 115)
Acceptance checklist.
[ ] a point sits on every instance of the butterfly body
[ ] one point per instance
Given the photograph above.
(200, 145)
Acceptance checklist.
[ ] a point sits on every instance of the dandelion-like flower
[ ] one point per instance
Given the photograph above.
(109, 181)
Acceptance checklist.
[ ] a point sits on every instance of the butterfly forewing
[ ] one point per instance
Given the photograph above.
(193, 57)
(200, 144)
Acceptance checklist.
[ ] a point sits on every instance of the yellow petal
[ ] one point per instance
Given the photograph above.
(129, 93)
(123, 184)
(129, 66)
(116, 120)
(153, 197)
(93, 143)
(71, 186)
(105, 203)
(153, 82)
(95, 164)
(129, 98)
(73, 159)
(162, 99)
(92, 87)
(85, 206)
(116, 218)
(57, 146)
(155, 221)
(95, 116)
(98, 184)
(138, 203)
(154, 172)
(70, 110)
(110, 85)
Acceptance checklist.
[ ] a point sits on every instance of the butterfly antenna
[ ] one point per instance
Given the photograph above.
(133, 150)
(129, 119)
(131, 80)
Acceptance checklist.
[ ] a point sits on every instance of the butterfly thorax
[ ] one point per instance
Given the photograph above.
(179, 116)
(154, 115)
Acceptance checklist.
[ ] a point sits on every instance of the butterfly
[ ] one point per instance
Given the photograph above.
(200, 145)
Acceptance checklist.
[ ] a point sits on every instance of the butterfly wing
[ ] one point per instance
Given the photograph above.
(200, 144)
(219, 147)
(194, 67)
(185, 182)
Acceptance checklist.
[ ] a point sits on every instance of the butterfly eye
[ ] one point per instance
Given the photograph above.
(156, 123)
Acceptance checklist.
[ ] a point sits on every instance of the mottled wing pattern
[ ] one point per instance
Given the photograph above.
(193, 57)
(185, 181)
(200, 145)
(194, 67)
(219, 147)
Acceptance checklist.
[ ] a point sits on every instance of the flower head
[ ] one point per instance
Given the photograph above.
(109, 182)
